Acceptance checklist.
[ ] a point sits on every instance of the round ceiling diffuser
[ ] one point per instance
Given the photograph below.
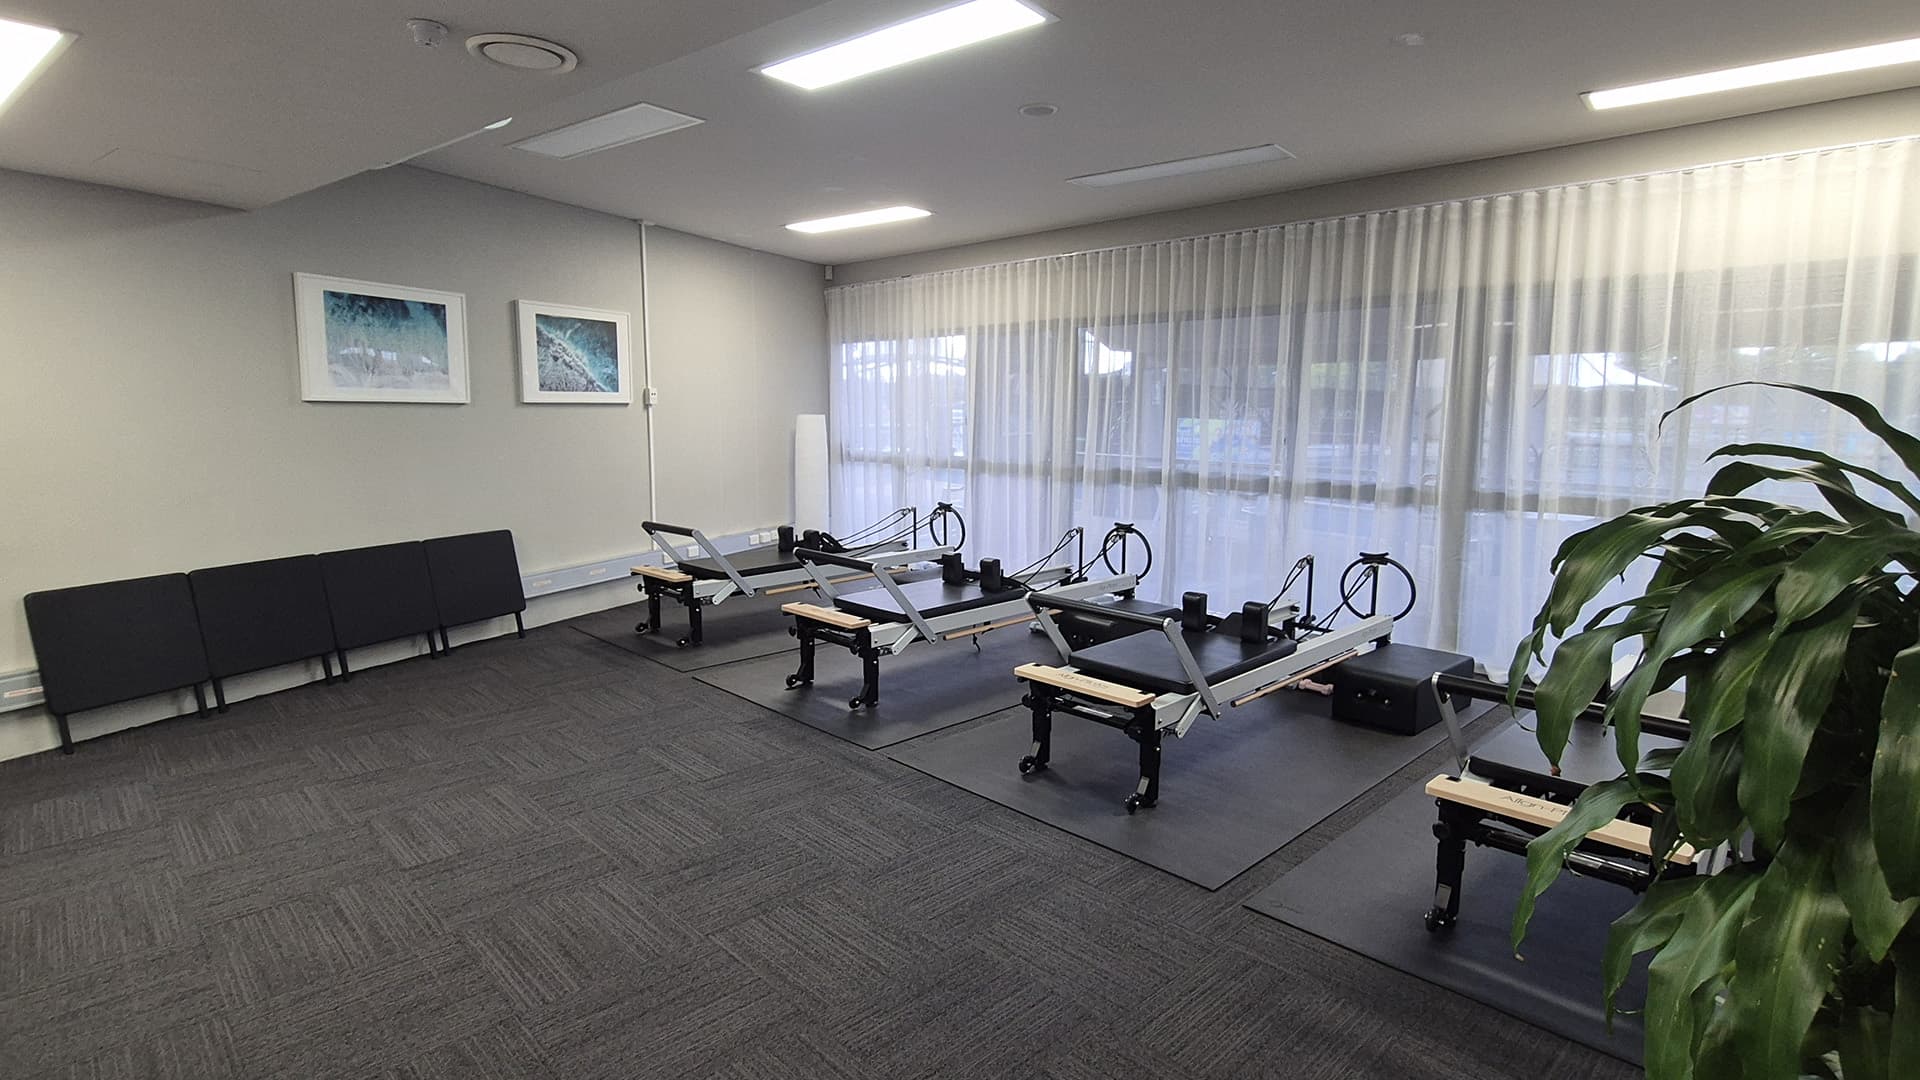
(523, 53)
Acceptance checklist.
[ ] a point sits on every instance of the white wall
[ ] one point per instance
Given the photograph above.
(151, 418)
(746, 333)
(1876, 116)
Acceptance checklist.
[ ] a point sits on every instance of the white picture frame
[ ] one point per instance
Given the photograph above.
(573, 343)
(369, 341)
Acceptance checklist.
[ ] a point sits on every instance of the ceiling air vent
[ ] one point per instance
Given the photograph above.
(523, 53)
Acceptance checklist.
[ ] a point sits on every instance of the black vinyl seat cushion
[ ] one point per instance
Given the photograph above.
(475, 576)
(765, 559)
(119, 640)
(933, 598)
(1148, 662)
(262, 614)
(1513, 758)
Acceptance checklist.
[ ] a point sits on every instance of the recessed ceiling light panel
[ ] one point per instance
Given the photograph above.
(902, 43)
(1864, 58)
(523, 53)
(25, 51)
(604, 132)
(860, 220)
(1160, 170)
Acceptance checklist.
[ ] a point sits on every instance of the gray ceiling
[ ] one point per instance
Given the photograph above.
(244, 103)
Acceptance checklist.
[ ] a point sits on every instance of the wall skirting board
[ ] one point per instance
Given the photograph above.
(552, 596)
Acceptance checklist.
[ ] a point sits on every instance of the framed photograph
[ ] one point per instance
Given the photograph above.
(574, 355)
(364, 341)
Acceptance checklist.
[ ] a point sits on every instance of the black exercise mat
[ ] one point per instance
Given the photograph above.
(740, 628)
(1232, 792)
(926, 688)
(1369, 889)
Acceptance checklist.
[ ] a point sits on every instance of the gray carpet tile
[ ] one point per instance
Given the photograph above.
(552, 858)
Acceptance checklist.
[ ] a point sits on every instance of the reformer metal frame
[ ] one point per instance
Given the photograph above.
(874, 640)
(696, 593)
(1148, 722)
(1461, 823)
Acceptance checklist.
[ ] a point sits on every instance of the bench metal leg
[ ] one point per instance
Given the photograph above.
(1449, 864)
(199, 701)
(869, 680)
(326, 665)
(219, 696)
(803, 676)
(345, 671)
(652, 621)
(1147, 793)
(695, 632)
(519, 626)
(1042, 706)
(66, 733)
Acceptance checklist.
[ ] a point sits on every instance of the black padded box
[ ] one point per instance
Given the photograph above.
(116, 641)
(475, 576)
(262, 614)
(1389, 689)
(379, 594)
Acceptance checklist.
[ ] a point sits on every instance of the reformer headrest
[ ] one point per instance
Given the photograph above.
(1253, 623)
(786, 539)
(953, 570)
(1193, 612)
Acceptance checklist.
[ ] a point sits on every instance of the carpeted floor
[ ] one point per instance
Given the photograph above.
(550, 858)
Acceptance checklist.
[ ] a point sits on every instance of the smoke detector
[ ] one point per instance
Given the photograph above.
(426, 32)
(523, 53)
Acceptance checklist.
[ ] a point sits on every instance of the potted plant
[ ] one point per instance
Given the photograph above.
(1797, 632)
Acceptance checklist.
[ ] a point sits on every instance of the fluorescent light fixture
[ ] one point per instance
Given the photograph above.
(1863, 58)
(604, 132)
(1231, 159)
(902, 43)
(860, 220)
(498, 124)
(25, 51)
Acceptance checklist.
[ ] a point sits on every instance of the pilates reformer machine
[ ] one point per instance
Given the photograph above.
(1505, 793)
(714, 576)
(960, 603)
(1174, 665)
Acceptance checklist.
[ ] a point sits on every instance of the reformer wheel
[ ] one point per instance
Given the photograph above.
(684, 642)
(1135, 802)
(854, 703)
(643, 628)
(795, 680)
(1031, 764)
(1437, 920)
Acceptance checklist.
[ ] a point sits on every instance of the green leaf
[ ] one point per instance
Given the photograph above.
(1833, 485)
(1704, 609)
(1785, 703)
(1904, 446)
(1900, 491)
(1547, 853)
(1904, 1048)
(1866, 1037)
(1877, 917)
(1895, 783)
(1647, 925)
(1696, 955)
(1581, 665)
(1784, 963)
(1826, 569)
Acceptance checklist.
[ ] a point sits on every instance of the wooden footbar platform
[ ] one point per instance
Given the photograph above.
(826, 616)
(1625, 835)
(1099, 689)
(660, 573)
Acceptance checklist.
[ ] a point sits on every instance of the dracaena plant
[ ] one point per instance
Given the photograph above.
(1796, 633)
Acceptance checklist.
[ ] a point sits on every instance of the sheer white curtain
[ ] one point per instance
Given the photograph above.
(1462, 385)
